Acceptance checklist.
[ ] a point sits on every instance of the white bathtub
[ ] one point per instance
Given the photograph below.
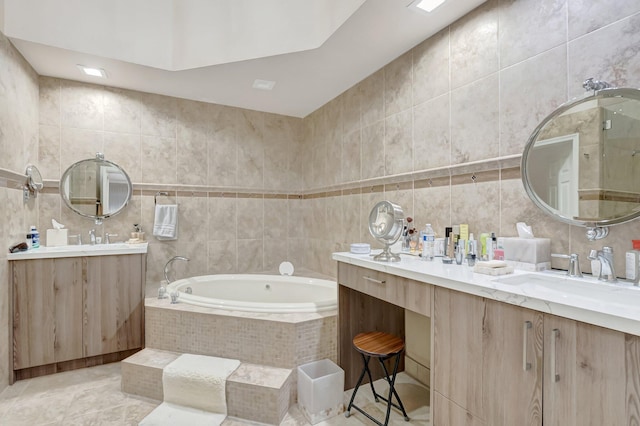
(258, 293)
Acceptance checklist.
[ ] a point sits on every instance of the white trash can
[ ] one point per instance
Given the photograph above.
(320, 390)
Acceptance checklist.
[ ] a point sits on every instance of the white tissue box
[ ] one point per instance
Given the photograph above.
(57, 237)
(527, 250)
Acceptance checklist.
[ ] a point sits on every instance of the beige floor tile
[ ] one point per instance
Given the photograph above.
(92, 397)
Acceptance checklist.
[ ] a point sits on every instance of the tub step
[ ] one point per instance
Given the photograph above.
(259, 393)
(142, 372)
(253, 392)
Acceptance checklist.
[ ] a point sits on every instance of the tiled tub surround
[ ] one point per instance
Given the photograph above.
(278, 340)
(262, 339)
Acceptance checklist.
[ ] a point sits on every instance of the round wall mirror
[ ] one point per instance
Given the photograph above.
(95, 188)
(581, 165)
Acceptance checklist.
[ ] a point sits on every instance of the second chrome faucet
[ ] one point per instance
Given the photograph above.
(607, 270)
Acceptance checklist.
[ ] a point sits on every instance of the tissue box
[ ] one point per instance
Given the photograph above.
(57, 237)
(527, 250)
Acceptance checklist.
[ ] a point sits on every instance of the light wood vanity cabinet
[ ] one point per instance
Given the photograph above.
(47, 311)
(77, 311)
(495, 364)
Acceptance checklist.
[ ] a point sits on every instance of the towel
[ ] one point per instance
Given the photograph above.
(165, 225)
(198, 381)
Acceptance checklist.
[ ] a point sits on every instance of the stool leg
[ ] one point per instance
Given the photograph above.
(366, 366)
(392, 390)
(355, 390)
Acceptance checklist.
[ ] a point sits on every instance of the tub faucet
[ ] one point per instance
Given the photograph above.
(166, 266)
(605, 256)
(92, 237)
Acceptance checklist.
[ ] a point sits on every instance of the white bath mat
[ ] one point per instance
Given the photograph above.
(167, 414)
(198, 381)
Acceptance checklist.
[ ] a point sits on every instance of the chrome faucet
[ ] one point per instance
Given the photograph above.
(166, 266)
(605, 256)
(92, 237)
(107, 236)
(574, 264)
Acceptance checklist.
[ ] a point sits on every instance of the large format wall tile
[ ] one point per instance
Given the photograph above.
(398, 85)
(544, 75)
(431, 67)
(398, 143)
(474, 45)
(431, 134)
(617, 48)
(586, 16)
(475, 121)
(528, 28)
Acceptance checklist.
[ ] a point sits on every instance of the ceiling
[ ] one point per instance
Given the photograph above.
(214, 50)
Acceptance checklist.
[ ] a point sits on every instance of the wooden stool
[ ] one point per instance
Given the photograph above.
(383, 346)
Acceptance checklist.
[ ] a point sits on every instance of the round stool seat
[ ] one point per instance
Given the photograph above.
(378, 344)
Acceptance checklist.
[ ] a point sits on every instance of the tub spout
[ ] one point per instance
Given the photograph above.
(166, 266)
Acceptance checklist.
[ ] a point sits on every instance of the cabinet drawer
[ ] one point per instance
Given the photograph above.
(409, 294)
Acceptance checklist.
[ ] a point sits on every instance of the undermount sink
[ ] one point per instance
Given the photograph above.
(587, 288)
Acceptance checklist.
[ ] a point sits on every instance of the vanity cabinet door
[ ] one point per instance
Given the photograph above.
(512, 365)
(47, 311)
(114, 303)
(479, 349)
(591, 375)
(457, 358)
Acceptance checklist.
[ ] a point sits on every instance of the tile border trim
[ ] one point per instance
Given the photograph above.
(484, 171)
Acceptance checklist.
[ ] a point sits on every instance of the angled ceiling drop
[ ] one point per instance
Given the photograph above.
(178, 34)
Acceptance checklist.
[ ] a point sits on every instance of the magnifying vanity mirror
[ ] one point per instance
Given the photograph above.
(581, 165)
(34, 183)
(96, 188)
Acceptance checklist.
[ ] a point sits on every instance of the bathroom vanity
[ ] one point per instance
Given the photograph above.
(530, 348)
(75, 306)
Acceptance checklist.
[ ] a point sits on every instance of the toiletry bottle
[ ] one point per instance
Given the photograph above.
(632, 263)
(447, 239)
(491, 246)
(29, 241)
(35, 237)
(472, 245)
(484, 239)
(428, 243)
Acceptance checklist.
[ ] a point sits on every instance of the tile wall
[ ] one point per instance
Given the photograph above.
(471, 93)
(232, 172)
(18, 147)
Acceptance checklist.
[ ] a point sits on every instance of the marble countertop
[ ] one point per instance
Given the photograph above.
(614, 306)
(79, 251)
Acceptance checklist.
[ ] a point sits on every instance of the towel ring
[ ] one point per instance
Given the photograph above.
(155, 197)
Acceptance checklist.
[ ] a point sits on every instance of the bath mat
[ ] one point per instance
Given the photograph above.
(167, 414)
(198, 381)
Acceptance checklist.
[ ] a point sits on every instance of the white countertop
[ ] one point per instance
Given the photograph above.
(614, 306)
(79, 251)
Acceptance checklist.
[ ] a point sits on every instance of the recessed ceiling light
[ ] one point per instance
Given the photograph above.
(93, 72)
(426, 5)
(264, 84)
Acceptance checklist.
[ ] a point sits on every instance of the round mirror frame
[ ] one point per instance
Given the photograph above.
(595, 229)
(99, 160)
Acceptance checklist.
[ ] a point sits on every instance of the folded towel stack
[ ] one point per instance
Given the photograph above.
(165, 225)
